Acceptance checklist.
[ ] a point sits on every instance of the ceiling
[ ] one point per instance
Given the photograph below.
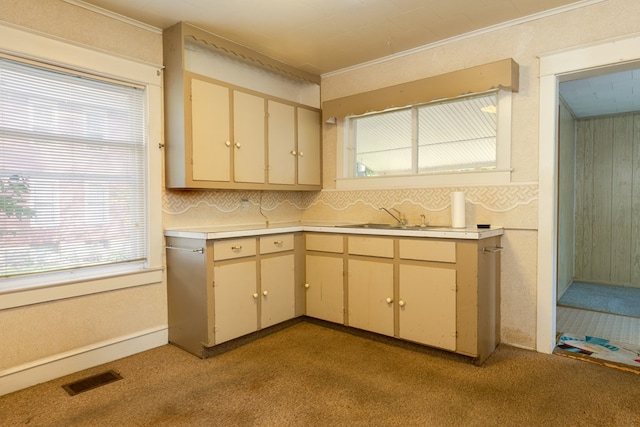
(320, 36)
(612, 93)
(324, 36)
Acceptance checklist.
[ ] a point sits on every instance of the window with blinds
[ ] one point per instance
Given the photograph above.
(450, 136)
(72, 171)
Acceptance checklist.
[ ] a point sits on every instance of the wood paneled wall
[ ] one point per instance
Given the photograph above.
(566, 203)
(607, 201)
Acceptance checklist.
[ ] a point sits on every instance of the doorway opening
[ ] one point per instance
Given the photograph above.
(598, 283)
(558, 223)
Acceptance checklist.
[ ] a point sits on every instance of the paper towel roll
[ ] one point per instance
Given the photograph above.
(457, 210)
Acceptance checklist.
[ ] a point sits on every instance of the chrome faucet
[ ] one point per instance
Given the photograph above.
(400, 218)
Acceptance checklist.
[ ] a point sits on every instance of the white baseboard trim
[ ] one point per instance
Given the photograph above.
(46, 369)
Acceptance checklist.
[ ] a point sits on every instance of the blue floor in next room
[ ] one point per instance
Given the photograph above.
(619, 300)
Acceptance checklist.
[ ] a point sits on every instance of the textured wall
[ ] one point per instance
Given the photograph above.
(566, 196)
(523, 43)
(81, 26)
(33, 332)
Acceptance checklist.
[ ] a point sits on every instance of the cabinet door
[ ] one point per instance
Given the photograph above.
(371, 296)
(236, 300)
(324, 288)
(277, 290)
(308, 147)
(428, 305)
(282, 144)
(210, 132)
(248, 138)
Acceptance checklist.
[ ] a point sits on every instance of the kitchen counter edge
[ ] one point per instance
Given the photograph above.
(225, 232)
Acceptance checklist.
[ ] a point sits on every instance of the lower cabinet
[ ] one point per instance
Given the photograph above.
(371, 296)
(438, 292)
(277, 289)
(427, 305)
(235, 300)
(219, 290)
(324, 272)
(324, 288)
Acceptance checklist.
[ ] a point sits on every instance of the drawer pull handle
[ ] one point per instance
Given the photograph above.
(278, 242)
(492, 250)
(236, 248)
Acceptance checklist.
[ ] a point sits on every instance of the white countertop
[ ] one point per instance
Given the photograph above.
(245, 230)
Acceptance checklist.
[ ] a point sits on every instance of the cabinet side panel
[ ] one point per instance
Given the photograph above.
(187, 294)
(488, 298)
(174, 107)
(467, 298)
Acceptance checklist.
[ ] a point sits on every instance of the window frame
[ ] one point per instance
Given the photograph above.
(345, 179)
(29, 46)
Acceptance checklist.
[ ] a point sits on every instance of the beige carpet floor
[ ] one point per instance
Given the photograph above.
(311, 375)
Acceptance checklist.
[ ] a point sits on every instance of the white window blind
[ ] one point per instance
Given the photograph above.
(72, 171)
(447, 136)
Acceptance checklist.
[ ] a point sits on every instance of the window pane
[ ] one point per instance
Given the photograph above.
(72, 171)
(383, 144)
(457, 135)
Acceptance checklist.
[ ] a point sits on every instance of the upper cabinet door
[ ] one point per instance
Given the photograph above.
(248, 137)
(282, 143)
(210, 131)
(309, 164)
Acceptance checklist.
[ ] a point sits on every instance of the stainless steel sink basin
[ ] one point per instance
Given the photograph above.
(384, 226)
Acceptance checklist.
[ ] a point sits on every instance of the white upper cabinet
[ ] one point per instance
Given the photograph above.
(282, 143)
(221, 134)
(210, 131)
(248, 138)
(309, 152)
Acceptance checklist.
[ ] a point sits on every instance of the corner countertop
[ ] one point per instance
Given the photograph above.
(258, 229)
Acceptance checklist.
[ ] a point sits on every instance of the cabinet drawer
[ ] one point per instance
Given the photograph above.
(324, 243)
(371, 246)
(276, 243)
(234, 248)
(428, 250)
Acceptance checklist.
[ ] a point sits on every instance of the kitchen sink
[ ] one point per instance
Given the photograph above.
(385, 226)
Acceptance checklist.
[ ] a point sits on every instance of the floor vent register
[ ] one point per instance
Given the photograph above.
(91, 382)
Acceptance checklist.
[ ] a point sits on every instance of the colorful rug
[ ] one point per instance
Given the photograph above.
(600, 350)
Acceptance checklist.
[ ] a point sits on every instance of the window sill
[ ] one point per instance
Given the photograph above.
(461, 179)
(34, 295)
